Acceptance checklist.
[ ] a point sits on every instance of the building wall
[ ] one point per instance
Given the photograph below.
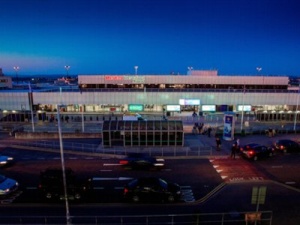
(171, 79)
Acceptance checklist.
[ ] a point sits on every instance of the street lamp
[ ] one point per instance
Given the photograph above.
(67, 69)
(258, 69)
(136, 68)
(296, 111)
(16, 68)
(190, 68)
(68, 218)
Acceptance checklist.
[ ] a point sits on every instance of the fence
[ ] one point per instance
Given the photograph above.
(238, 218)
(118, 150)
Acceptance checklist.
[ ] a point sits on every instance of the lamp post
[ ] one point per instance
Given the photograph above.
(242, 119)
(68, 218)
(67, 69)
(31, 103)
(136, 69)
(296, 111)
(16, 68)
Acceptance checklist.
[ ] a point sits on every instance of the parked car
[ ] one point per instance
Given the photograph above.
(286, 145)
(6, 160)
(51, 185)
(152, 189)
(141, 161)
(7, 185)
(256, 151)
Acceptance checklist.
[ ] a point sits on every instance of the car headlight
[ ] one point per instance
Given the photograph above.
(3, 162)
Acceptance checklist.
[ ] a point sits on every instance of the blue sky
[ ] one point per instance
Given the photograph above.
(158, 36)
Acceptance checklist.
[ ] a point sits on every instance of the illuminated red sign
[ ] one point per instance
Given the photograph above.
(113, 77)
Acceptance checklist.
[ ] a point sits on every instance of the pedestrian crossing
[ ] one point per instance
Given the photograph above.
(236, 170)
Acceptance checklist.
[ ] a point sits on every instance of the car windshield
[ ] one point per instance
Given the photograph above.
(2, 178)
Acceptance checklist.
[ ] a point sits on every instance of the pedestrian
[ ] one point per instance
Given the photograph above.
(218, 143)
(208, 131)
(233, 150)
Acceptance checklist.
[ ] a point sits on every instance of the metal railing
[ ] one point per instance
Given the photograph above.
(174, 151)
(237, 218)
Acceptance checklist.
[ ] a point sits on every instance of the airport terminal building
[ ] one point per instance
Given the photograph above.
(199, 91)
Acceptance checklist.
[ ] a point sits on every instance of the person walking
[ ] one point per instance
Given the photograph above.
(233, 151)
(218, 143)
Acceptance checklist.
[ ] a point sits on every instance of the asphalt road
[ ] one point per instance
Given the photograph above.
(199, 178)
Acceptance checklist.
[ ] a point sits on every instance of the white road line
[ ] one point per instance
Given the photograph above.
(290, 182)
(111, 164)
(274, 167)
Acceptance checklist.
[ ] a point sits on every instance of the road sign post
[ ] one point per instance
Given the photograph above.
(258, 197)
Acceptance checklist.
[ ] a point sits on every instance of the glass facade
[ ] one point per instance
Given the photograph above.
(143, 133)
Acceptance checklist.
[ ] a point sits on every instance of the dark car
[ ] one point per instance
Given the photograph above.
(152, 189)
(51, 185)
(141, 161)
(256, 151)
(286, 145)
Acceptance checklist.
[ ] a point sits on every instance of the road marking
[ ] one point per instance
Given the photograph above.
(215, 166)
(290, 182)
(111, 164)
(219, 171)
(112, 178)
(274, 167)
(118, 188)
(224, 177)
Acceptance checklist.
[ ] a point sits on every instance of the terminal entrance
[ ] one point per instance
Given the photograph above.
(142, 133)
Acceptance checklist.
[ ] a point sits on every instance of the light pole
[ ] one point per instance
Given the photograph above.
(296, 111)
(258, 69)
(31, 103)
(136, 69)
(67, 69)
(242, 119)
(68, 218)
(16, 68)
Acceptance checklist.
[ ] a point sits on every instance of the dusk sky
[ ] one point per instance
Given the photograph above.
(159, 36)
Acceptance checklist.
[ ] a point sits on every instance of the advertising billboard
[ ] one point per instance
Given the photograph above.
(228, 132)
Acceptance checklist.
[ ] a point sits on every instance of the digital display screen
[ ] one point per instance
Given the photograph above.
(189, 101)
(173, 108)
(208, 108)
(136, 108)
(247, 108)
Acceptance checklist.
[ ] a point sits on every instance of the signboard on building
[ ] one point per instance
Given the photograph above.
(247, 108)
(173, 108)
(189, 101)
(135, 108)
(208, 108)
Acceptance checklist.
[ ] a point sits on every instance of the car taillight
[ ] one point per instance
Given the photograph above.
(125, 191)
(250, 152)
(123, 162)
(281, 147)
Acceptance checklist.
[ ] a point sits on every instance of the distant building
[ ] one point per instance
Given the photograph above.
(5, 82)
